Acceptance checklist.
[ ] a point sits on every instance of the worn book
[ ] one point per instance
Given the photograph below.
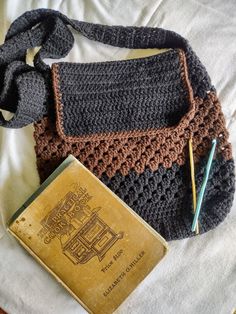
(95, 245)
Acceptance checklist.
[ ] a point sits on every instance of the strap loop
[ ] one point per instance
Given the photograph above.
(30, 90)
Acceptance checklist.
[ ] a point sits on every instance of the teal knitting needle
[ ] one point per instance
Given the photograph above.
(203, 187)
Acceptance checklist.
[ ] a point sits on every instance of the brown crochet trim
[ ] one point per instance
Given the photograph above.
(185, 78)
(112, 155)
(122, 134)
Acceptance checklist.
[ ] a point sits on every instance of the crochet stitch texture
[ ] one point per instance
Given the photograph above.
(128, 121)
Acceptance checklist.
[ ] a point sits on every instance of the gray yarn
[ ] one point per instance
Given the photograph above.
(161, 197)
(105, 97)
(52, 33)
(164, 199)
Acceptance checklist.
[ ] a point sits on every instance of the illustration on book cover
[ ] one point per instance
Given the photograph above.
(81, 232)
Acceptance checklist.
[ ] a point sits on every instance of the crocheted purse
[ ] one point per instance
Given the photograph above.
(128, 121)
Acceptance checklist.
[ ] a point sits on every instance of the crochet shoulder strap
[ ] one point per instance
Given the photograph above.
(25, 90)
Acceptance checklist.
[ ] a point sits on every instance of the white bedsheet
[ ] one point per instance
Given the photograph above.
(199, 274)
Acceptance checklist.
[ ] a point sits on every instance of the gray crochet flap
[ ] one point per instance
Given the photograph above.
(113, 99)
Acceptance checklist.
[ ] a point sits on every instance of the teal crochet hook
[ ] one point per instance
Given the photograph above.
(203, 187)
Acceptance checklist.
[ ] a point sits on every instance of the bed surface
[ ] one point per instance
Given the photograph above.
(198, 275)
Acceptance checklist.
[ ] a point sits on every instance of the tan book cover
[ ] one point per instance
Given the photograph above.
(97, 247)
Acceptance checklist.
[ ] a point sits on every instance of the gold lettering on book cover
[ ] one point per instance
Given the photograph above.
(81, 232)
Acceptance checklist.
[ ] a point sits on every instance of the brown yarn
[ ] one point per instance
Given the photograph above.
(128, 121)
(121, 134)
(166, 146)
(137, 149)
